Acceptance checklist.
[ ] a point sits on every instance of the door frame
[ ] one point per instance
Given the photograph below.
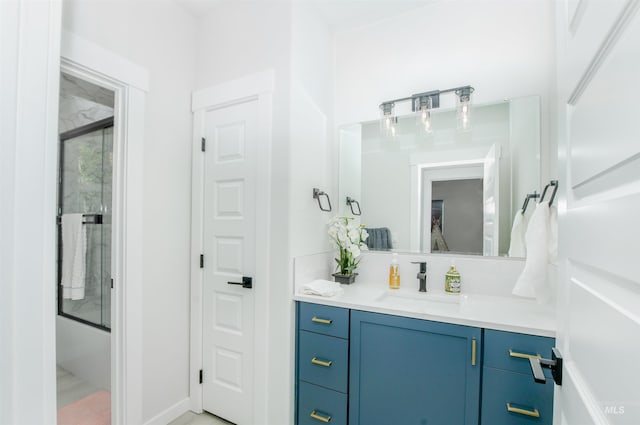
(130, 82)
(257, 87)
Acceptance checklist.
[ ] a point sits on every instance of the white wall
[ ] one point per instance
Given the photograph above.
(160, 37)
(503, 48)
(30, 57)
(235, 40)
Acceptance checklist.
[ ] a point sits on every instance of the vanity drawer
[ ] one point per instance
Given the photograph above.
(324, 319)
(509, 350)
(502, 390)
(317, 405)
(323, 360)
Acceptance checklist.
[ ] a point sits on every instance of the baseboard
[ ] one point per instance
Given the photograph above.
(173, 412)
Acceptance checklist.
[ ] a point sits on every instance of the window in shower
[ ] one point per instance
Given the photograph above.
(84, 202)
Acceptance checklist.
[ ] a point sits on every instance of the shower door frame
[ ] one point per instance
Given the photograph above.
(102, 124)
(130, 83)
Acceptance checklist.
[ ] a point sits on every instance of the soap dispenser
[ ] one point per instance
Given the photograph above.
(452, 280)
(394, 273)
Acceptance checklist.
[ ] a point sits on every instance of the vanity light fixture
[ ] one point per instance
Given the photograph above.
(388, 119)
(423, 104)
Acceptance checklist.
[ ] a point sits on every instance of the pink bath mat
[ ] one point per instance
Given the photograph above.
(94, 409)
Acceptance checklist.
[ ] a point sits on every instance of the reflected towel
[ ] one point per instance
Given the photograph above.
(74, 250)
(379, 238)
(532, 282)
(324, 288)
(517, 246)
(552, 242)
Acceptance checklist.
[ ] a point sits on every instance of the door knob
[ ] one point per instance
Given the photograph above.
(247, 282)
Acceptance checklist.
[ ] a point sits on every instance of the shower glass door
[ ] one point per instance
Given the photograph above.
(85, 187)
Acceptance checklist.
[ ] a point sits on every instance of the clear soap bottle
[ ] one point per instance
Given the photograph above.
(394, 273)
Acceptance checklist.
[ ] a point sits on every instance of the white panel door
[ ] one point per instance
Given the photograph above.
(491, 202)
(599, 272)
(230, 255)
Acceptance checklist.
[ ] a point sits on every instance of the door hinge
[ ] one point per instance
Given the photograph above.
(201, 376)
(201, 261)
(111, 283)
(203, 144)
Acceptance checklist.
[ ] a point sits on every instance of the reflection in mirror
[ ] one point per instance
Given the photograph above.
(443, 191)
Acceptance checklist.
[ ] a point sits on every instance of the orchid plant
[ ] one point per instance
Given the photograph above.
(349, 238)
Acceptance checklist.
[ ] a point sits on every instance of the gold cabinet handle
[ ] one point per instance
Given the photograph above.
(533, 413)
(523, 356)
(322, 418)
(473, 351)
(323, 321)
(320, 362)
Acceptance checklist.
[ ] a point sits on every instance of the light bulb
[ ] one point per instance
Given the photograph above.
(387, 119)
(422, 106)
(463, 110)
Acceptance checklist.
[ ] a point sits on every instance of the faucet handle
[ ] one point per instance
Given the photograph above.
(423, 265)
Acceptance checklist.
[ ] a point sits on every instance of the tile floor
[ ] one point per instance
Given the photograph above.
(205, 418)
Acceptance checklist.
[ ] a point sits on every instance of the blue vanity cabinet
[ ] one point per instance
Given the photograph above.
(413, 372)
(322, 364)
(509, 394)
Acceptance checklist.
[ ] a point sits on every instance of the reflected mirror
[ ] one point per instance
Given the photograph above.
(443, 191)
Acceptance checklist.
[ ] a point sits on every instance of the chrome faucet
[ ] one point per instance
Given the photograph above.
(422, 275)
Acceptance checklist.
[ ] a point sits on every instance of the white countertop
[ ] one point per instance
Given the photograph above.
(484, 311)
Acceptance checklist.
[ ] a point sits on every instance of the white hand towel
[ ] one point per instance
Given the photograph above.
(324, 288)
(553, 235)
(517, 247)
(74, 250)
(532, 281)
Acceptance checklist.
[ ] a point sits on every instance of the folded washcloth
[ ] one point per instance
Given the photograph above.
(74, 251)
(517, 247)
(324, 288)
(532, 282)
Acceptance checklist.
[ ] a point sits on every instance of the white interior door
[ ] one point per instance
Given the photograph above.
(599, 279)
(229, 255)
(491, 202)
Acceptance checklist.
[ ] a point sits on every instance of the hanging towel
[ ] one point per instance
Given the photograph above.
(532, 281)
(379, 238)
(74, 250)
(437, 239)
(517, 246)
(324, 288)
(553, 235)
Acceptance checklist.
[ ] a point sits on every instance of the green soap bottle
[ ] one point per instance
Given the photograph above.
(452, 280)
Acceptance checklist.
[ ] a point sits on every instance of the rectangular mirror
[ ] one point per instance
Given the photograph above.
(443, 191)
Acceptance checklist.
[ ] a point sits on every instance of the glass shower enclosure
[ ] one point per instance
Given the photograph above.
(85, 187)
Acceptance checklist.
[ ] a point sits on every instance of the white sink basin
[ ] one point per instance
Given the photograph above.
(419, 301)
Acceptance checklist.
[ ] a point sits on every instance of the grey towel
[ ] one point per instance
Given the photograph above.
(379, 238)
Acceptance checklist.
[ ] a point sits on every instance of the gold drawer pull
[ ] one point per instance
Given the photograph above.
(320, 417)
(533, 413)
(323, 321)
(523, 356)
(320, 362)
(473, 352)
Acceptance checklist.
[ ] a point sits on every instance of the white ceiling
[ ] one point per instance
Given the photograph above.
(339, 15)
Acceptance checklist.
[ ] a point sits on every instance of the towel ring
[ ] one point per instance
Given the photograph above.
(529, 196)
(553, 183)
(350, 202)
(317, 193)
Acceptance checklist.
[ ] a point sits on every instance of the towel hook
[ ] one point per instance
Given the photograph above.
(317, 193)
(350, 202)
(529, 196)
(553, 183)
